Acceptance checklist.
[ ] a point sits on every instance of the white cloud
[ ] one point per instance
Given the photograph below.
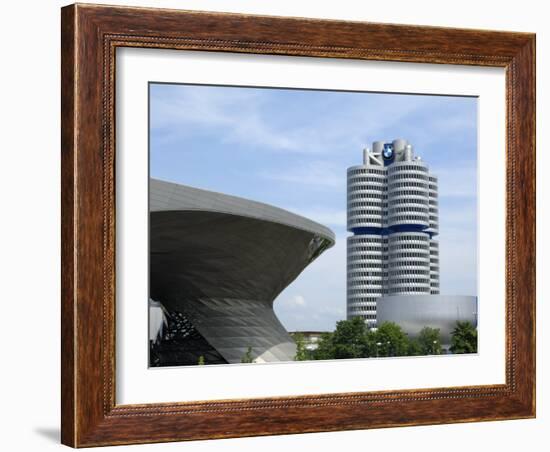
(242, 116)
(235, 113)
(299, 300)
(293, 301)
(317, 173)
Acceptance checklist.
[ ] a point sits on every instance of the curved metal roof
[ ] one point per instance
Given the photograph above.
(167, 196)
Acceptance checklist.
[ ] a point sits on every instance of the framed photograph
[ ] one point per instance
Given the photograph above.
(282, 225)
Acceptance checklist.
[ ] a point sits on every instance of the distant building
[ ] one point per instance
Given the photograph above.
(393, 256)
(311, 338)
(392, 209)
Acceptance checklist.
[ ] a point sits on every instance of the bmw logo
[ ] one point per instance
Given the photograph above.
(387, 153)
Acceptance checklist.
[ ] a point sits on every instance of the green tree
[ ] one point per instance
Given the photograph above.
(429, 341)
(414, 348)
(350, 339)
(247, 357)
(201, 360)
(302, 353)
(325, 347)
(371, 348)
(464, 338)
(353, 339)
(391, 340)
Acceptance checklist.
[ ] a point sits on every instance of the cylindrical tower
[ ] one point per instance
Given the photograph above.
(434, 267)
(408, 196)
(366, 253)
(367, 274)
(408, 263)
(367, 197)
(434, 230)
(393, 214)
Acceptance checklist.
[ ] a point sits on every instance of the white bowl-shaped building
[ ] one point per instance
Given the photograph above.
(219, 262)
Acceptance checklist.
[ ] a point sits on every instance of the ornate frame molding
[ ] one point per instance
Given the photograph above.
(90, 36)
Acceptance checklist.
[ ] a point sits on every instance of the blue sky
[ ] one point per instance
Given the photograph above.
(291, 149)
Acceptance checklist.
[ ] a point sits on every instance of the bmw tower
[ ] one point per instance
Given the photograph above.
(392, 213)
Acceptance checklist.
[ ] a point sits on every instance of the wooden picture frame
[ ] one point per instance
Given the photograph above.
(90, 36)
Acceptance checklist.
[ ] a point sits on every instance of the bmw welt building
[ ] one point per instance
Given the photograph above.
(217, 263)
(393, 252)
